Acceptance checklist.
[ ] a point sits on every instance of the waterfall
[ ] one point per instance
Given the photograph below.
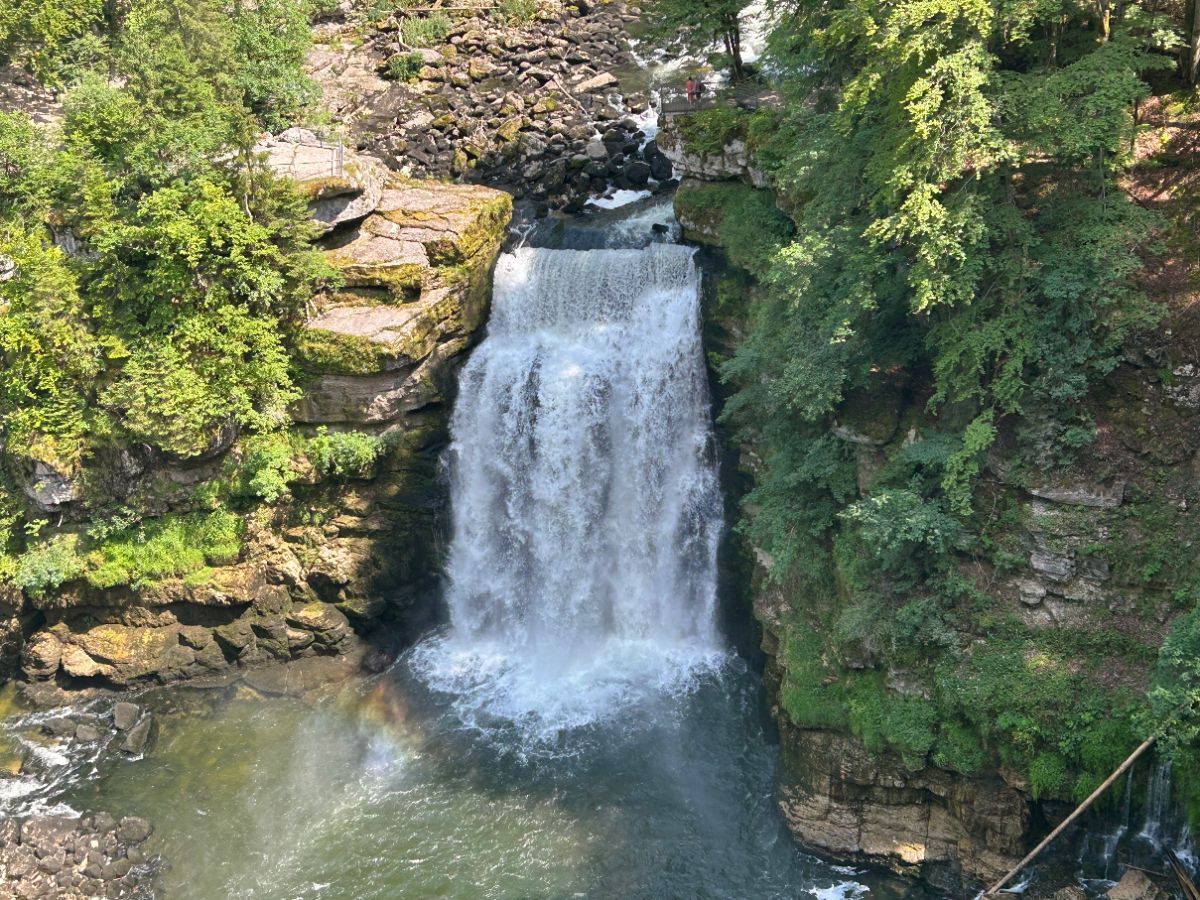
(1165, 825)
(586, 506)
(1104, 855)
(1103, 858)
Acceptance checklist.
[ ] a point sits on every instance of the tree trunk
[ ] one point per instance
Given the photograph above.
(733, 45)
(1104, 11)
(1191, 67)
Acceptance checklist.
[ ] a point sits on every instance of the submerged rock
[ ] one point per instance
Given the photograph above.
(125, 715)
(1136, 885)
(64, 858)
(137, 740)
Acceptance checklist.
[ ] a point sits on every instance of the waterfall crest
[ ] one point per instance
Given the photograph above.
(587, 511)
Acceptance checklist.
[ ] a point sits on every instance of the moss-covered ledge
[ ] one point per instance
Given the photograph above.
(417, 275)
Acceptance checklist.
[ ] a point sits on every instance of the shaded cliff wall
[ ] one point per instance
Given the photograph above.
(943, 745)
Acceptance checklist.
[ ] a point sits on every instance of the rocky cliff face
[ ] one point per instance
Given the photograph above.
(317, 571)
(1096, 555)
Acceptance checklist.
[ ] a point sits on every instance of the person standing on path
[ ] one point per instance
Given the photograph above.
(692, 87)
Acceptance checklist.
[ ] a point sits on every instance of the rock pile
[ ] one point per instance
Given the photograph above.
(67, 858)
(536, 108)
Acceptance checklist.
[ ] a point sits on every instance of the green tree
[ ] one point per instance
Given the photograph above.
(49, 356)
(687, 27)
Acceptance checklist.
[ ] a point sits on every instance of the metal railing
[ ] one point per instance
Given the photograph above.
(674, 101)
(307, 168)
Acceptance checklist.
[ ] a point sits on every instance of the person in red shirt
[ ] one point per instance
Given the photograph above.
(693, 90)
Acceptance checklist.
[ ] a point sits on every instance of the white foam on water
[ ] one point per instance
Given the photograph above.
(618, 199)
(587, 512)
(849, 890)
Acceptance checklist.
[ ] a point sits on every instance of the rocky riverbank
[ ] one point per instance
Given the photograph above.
(68, 858)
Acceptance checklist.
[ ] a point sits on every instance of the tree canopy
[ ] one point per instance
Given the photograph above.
(158, 266)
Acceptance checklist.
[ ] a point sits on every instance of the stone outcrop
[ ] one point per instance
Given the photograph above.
(948, 829)
(323, 567)
(733, 163)
(417, 274)
(341, 186)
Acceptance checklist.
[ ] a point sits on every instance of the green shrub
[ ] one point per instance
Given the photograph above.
(710, 131)
(746, 222)
(266, 469)
(895, 523)
(428, 31)
(404, 66)
(48, 564)
(344, 454)
(1175, 696)
(1047, 775)
(517, 12)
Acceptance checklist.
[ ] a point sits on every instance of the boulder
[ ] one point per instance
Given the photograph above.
(597, 83)
(49, 488)
(118, 653)
(660, 167)
(137, 739)
(41, 655)
(125, 715)
(1136, 885)
(133, 830)
(328, 623)
(638, 174)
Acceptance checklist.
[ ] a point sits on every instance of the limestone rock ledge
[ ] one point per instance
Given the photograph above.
(949, 830)
(417, 284)
(734, 162)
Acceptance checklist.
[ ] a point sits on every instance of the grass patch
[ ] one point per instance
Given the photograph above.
(428, 31)
(171, 547)
(404, 66)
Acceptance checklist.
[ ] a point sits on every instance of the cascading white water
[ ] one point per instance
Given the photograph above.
(582, 570)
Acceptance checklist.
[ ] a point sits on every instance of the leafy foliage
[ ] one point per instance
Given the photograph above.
(167, 548)
(156, 269)
(404, 66)
(425, 31)
(946, 222)
(687, 27)
(344, 454)
(952, 170)
(518, 12)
